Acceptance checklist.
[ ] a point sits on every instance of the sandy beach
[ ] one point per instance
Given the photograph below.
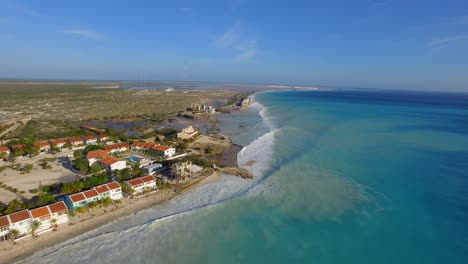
(11, 253)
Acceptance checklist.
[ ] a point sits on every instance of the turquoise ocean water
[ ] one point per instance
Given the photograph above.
(343, 176)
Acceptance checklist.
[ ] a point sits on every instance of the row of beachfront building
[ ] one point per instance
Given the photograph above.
(50, 216)
(75, 142)
(48, 145)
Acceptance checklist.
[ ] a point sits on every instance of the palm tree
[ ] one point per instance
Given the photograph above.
(53, 223)
(106, 201)
(91, 205)
(34, 227)
(13, 235)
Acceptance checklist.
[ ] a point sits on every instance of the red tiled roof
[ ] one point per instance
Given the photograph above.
(102, 188)
(141, 180)
(103, 136)
(90, 193)
(57, 207)
(77, 197)
(150, 145)
(41, 144)
(134, 182)
(90, 137)
(162, 148)
(4, 222)
(75, 139)
(58, 141)
(113, 185)
(19, 216)
(110, 160)
(40, 212)
(4, 149)
(148, 178)
(117, 146)
(19, 146)
(97, 154)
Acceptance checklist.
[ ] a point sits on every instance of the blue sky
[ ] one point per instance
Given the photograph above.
(360, 43)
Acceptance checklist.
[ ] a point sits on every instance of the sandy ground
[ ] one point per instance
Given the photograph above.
(28, 181)
(11, 253)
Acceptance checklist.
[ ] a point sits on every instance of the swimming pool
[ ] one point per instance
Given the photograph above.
(133, 159)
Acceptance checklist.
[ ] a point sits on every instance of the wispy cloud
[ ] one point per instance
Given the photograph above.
(236, 39)
(83, 33)
(447, 40)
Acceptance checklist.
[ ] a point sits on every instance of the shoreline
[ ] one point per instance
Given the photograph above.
(15, 253)
(27, 247)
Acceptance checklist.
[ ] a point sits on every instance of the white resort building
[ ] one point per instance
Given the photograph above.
(22, 220)
(112, 190)
(187, 133)
(112, 164)
(139, 185)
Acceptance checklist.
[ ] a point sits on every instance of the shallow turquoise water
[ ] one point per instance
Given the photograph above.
(352, 177)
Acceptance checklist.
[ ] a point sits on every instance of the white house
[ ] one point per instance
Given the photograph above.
(116, 148)
(112, 190)
(103, 137)
(164, 151)
(4, 227)
(59, 143)
(90, 140)
(20, 221)
(59, 211)
(187, 133)
(96, 155)
(152, 169)
(76, 142)
(43, 216)
(139, 185)
(5, 149)
(43, 146)
(111, 163)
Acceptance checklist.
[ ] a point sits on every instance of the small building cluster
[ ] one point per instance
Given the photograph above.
(48, 216)
(201, 109)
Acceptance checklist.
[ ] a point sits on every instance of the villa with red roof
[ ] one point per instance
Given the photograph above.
(76, 141)
(59, 143)
(116, 148)
(96, 155)
(5, 149)
(103, 137)
(139, 185)
(154, 148)
(20, 221)
(112, 190)
(112, 163)
(4, 227)
(43, 146)
(90, 140)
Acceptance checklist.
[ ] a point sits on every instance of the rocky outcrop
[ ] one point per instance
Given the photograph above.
(240, 172)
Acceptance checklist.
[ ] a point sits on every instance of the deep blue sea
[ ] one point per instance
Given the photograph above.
(343, 176)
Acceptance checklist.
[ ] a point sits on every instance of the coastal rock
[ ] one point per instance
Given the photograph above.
(240, 172)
